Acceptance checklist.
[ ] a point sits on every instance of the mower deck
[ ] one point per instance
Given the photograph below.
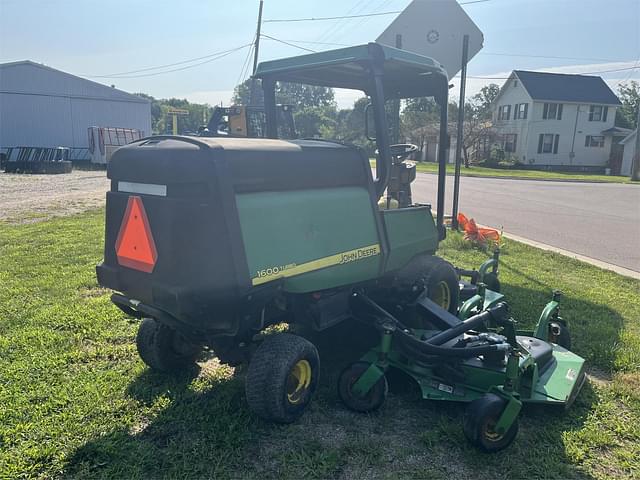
(557, 382)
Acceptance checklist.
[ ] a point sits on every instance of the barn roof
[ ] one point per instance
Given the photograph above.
(57, 83)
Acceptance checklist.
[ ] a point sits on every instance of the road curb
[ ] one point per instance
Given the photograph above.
(583, 258)
(574, 180)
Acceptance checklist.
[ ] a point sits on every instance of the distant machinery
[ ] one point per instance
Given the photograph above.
(103, 141)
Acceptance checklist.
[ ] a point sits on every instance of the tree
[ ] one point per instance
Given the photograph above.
(629, 95)
(350, 126)
(295, 94)
(161, 119)
(315, 122)
(482, 102)
(419, 121)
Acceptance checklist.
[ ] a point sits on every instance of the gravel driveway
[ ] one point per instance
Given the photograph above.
(29, 198)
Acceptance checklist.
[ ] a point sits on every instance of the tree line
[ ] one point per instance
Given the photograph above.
(316, 114)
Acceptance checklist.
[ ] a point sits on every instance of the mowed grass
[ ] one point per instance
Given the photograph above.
(475, 171)
(75, 400)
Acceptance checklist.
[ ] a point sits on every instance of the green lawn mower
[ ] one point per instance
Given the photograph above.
(478, 357)
(211, 241)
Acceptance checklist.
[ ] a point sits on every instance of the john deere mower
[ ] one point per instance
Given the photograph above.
(211, 241)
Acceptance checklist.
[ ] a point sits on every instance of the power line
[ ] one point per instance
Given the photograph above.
(360, 7)
(115, 75)
(317, 19)
(288, 43)
(245, 65)
(547, 56)
(317, 43)
(211, 58)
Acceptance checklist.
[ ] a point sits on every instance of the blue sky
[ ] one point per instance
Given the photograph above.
(90, 37)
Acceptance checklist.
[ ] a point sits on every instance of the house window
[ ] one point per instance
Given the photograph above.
(509, 144)
(552, 111)
(594, 141)
(521, 110)
(504, 112)
(598, 113)
(548, 143)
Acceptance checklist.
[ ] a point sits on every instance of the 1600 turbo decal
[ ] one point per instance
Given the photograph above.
(292, 269)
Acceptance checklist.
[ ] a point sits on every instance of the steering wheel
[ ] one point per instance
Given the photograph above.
(402, 150)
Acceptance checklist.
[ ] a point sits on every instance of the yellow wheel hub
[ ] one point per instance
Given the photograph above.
(442, 295)
(298, 381)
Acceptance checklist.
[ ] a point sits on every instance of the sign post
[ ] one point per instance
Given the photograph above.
(460, 133)
(175, 112)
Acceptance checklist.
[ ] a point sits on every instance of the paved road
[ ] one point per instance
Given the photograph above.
(599, 220)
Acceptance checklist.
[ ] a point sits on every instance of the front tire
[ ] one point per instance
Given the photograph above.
(441, 282)
(480, 419)
(164, 349)
(492, 282)
(560, 335)
(374, 398)
(282, 377)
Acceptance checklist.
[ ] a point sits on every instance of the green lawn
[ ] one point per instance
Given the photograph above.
(75, 400)
(429, 167)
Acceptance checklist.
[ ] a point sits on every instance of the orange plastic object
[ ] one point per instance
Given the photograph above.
(135, 247)
(477, 234)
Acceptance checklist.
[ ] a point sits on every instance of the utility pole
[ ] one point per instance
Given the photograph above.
(395, 132)
(256, 51)
(460, 137)
(635, 163)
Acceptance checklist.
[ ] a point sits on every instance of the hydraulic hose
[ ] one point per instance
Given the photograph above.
(496, 313)
(417, 348)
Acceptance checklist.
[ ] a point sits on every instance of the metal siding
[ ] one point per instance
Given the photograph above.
(55, 109)
(38, 121)
(103, 113)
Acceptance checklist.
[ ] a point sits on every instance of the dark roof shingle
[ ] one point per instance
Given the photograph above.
(560, 87)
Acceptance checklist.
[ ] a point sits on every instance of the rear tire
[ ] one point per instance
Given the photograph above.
(164, 349)
(441, 282)
(374, 398)
(282, 377)
(479, 419)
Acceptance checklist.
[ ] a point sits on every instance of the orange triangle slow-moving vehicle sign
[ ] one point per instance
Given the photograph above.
(135, 247)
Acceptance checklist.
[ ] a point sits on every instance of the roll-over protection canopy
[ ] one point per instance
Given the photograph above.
(406, 74)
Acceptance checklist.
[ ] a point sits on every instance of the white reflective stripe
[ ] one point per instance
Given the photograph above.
(143, 188)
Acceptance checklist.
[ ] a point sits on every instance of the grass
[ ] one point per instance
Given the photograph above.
(474, 171)
(75, 400)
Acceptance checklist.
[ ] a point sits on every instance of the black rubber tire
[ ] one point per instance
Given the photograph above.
(438, 271)
(491, 281)
(270, 371)
(477, 421)
(164, 349)
(375, 397)
(563, 338)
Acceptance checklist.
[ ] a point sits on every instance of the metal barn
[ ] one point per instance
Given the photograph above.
(44, 107)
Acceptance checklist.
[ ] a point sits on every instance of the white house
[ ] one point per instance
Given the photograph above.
(556, 121)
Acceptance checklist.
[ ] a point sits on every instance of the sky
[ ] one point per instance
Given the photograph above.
(104, 40)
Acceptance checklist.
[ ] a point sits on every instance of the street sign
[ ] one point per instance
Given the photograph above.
(178, 111)
(174, 112)
(435, 28)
